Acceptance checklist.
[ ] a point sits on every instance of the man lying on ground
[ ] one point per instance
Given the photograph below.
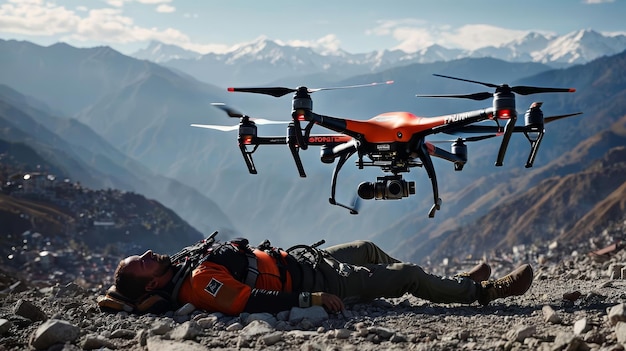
(233, 277)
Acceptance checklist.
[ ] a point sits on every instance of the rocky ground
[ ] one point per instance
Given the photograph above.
(575, 303)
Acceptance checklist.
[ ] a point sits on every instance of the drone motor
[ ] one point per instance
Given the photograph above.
(459, 149)
(247, 132)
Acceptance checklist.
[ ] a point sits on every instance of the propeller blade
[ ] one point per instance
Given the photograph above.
(220, 128)
(468, 139)
(521, 89)
(480, 137)
(273, 91)
(281, 91)
(526, 90)
(260, 121)
(236, 114)
(555, 118)
(263, 121)
(352, 86)
(476, 96)
(480, 129)
(468, 80)
(229, 110)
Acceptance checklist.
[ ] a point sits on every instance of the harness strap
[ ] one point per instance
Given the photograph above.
(179, 278)
(253, 270)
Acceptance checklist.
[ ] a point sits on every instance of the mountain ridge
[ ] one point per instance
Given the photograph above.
(284, 61)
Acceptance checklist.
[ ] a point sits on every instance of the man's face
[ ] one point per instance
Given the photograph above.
(149, 265)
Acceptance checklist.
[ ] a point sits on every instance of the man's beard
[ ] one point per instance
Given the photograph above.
(164, 262)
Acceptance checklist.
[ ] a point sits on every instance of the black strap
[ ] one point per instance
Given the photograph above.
(253, 270)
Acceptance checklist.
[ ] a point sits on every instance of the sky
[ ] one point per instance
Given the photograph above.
(356, 26)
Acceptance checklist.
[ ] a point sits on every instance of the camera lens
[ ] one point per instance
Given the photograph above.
(395, 189)
(366, 190)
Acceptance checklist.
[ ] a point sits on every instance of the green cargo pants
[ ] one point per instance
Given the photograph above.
(361, 271)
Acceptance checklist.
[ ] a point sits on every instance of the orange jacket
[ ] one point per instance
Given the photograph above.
(211, 287)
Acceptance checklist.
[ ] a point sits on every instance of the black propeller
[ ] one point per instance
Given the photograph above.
(481, 129)
(231, 112)
(468, 139)
(520, 89)
(281, 91)
(554, 118)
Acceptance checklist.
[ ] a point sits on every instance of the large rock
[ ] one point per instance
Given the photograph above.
(54, 331)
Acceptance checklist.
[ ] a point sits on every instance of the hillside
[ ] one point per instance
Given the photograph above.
(47, 220)
(571, 209)
(74, 150)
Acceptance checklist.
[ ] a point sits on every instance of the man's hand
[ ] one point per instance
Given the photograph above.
(332, 302)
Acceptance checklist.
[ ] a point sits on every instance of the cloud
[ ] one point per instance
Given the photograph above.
(36, 18)
(328, 42)
(413, 35)
(104, 25)
(165, 9)
(595, 2)
(115, 3)
(474, 36)
(153, 2)
(110, 26)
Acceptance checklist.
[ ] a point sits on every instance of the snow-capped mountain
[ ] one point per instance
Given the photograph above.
(580, 47)
(519, 50)
(256, 61)
(159, 52)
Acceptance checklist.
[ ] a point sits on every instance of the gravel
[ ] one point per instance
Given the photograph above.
(576, 303)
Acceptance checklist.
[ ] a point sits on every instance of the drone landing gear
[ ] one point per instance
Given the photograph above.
(247, 156)
(342, 160)
(422, 153)
(435, 207)
(295, 152)
(535, 141)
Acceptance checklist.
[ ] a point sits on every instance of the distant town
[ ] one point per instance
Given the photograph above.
(56, 230)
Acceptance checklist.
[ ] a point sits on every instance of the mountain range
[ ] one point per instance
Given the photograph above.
(253, 63)
(130, 119)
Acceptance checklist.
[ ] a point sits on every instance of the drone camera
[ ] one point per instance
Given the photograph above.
(386, 188)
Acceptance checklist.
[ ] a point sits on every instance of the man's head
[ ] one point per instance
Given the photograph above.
(136, 275)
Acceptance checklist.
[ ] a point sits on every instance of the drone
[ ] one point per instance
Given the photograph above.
(393, 141)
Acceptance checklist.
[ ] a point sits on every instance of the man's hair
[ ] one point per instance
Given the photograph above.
(128, 284)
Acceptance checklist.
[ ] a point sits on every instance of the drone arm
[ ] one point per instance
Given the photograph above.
(455, 122)
(338, 125)
(256, 141)
(448, 156)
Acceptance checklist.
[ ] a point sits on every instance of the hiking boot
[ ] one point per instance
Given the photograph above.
(513, 284)
(478, 273)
